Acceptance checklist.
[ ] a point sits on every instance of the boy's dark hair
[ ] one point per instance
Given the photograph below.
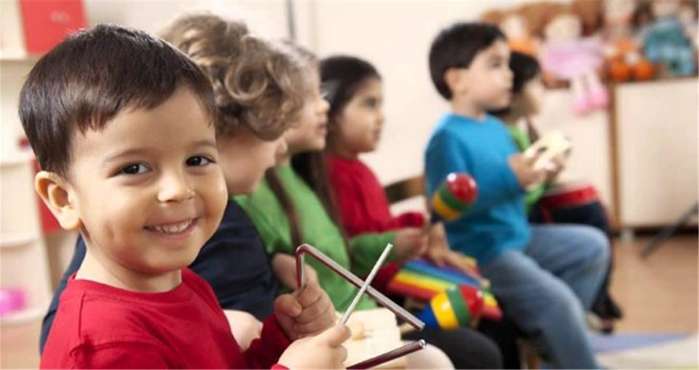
(524, 68)
(456, 46)
(92, 76)
(342, 76)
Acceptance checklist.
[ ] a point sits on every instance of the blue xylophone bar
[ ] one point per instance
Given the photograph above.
(452, 276)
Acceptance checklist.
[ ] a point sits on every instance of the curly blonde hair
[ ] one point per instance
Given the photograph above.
(258, 84)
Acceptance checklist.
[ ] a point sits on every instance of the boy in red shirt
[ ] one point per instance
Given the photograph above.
(121, 124)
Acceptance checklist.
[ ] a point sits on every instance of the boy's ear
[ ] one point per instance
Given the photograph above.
(57, 195)
(455, 78)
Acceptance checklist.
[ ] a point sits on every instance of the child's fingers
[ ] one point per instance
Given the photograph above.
(320, 322)
(287, 304)
(312, 311)
(456, 260)
(311, 275)
(311, 293)
(340, 356)
(335, 336)
(529, 160)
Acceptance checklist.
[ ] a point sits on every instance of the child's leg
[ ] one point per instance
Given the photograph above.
(543, 306)
(593, 214)
(429, 357)
(578, 255)
(466, 348)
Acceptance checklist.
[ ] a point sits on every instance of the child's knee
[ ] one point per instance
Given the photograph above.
(598, 246)
(562, 305)
(592, 247)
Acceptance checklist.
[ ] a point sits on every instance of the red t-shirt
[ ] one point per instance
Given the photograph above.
(363, 205)
(100, 326)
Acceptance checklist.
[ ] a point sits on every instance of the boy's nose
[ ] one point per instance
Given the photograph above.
(324, 106)
(175, 188)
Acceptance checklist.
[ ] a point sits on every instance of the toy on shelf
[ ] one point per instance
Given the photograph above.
(453, 197)
(567, 55)
(515, 25)
(624, 59)
(665, 41)
(12, 300)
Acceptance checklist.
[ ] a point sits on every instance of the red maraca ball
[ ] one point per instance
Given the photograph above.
(463, 187)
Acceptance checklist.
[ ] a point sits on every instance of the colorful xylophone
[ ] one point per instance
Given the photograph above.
(454, 295)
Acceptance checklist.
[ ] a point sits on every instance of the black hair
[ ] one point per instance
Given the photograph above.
(456, 46)
(93, 75)
(524, 69)
(341, 77)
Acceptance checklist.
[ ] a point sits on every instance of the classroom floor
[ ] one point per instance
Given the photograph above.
(658, 295)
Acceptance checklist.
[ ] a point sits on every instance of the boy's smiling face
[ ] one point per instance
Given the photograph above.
(487, 82)
(146, 190)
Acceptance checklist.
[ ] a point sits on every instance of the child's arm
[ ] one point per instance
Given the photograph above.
(244, 326)
(111, 355)
(410, 219)
(350, 203)
(266, 350)
(446, 154)
(365, 249)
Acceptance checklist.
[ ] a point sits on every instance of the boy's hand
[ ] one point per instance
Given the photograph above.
(284, 267)
(324, 351)
(523, 167)
(306, 312)
(439, 252)
(410, 242)
(556, 166)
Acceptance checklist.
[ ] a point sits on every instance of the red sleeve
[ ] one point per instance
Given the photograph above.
(118, 355)
(351, 204)
(410, 219)
(264, 352)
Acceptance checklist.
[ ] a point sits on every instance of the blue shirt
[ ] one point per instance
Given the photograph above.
(497, 221)
(233, 261)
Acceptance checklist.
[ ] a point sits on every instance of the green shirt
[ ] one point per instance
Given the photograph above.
(318, 230)
(522, 141)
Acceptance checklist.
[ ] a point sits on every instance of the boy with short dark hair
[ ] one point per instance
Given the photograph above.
(545, 276)
(122, 125)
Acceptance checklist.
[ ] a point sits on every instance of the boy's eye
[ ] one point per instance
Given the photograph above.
(198, 160)
(371, 103)
(133, 169)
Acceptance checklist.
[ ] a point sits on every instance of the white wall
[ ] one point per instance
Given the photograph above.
(395, 36)
(268, 17)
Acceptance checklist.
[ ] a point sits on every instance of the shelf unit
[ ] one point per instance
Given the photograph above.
(23, 257)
